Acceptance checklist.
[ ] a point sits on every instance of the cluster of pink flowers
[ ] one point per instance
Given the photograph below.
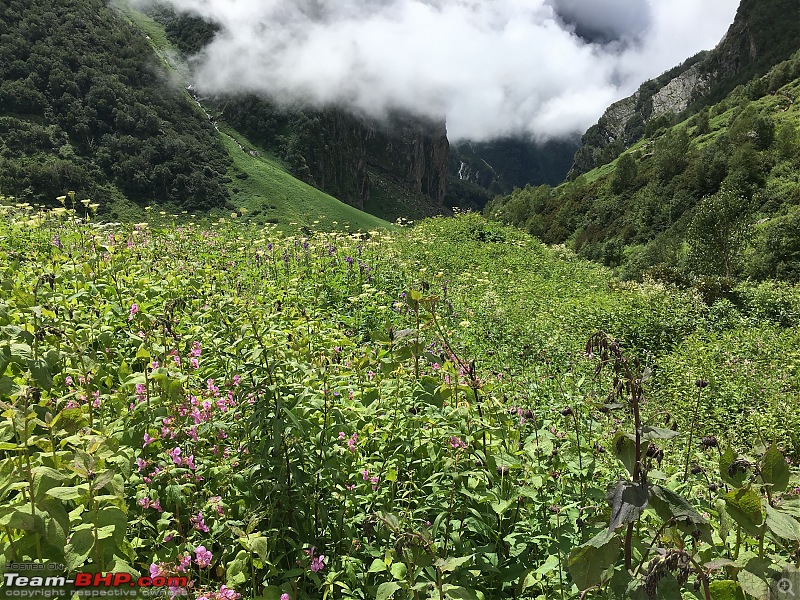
(199, 523)
(147, 503)
(352, 441)
(456, 442)
(317, 562)
(224, 593)
(133, 311)
(203, 557)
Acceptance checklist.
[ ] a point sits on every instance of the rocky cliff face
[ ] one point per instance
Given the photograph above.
(416, 151)
(763, 33)
(343, 155)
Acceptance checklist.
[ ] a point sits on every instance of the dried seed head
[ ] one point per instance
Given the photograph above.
(567, 411)
(709, 442)
(701, 383)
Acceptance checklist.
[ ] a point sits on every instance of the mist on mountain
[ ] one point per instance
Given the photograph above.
(538, 68)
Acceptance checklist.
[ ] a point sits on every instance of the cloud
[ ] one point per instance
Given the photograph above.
(542, 68)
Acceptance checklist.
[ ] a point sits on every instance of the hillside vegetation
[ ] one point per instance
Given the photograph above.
(408, 414)
(714, 195)
(85, 106)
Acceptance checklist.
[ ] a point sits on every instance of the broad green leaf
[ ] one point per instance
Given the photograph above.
(386, 590)
(65, 493)
(744, 506)
(259, 546)
(783, 525)
(451, 564)
(236, 571)
(588, 562)
(79, 547)
(774, 469)
(726, 589)
(377, 566)
(627, 500)
(40, 371)
(398, 571)
(624, 448)
(658, 433)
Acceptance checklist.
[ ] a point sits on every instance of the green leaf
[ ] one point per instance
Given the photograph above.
(588, 562)
(386, 590)
(774, 469)
(725, 589)
(45, 478)
(398, 571)
(669, 505)
(627, 499)
(451, 564)
(79, 547)
(658, 433)
(744, 506)
(40, 371)
(259, 546)
(501, 506)
(102, 479)
(377, 566)
(236, 570)
(783, 525)
(65, 493)
(624, 447)
(458, 593)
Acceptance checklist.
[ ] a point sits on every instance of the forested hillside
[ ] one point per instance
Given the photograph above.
(86, 106)
(716, 194)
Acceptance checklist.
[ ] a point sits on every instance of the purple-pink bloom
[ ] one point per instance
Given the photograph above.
(134, 310)
(175, 454)
(202, 557)
(199, 523)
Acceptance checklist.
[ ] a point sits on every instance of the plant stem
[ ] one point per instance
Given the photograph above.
(691, 434)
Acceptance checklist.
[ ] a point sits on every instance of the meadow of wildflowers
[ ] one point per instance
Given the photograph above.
(386, 414)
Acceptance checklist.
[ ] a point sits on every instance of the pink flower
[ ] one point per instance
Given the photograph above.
(175, 454)
(285, 597)
(226, 593)
(134, 310)
(157, 570)
(199, 523)
(148, 440)
(195, 363)
(184, 562)
(196, 350)
(456, 442)
(141, 392)
(202, 557)
(318, 563)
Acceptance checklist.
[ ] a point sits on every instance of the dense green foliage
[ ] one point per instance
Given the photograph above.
(717, 190)
(85, 105)
(407, 414)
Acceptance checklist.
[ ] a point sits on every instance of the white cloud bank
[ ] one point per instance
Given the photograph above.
(491, 67)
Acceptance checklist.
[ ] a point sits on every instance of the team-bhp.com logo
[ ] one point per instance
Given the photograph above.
(26, 581)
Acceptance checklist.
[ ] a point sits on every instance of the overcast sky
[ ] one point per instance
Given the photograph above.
(545, 68)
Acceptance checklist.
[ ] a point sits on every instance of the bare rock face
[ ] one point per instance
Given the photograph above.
(764, 33)
(680, 91)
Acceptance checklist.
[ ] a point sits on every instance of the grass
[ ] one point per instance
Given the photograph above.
(271, 195)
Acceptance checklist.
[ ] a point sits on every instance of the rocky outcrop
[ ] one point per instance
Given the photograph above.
(680, 91)
(764, 33)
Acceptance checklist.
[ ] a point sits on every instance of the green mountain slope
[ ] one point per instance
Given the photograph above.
(716, 194)
(85, 107)
(258, 182)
